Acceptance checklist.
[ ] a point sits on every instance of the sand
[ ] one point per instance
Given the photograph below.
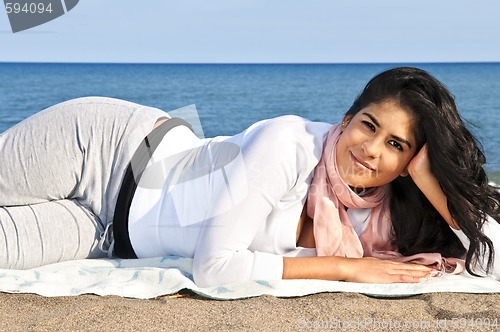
(189, 312)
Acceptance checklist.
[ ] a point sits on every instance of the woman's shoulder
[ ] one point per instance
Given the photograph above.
(290, 128)
(284, 137)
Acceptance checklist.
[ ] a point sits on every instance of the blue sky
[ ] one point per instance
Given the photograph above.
(262, 31)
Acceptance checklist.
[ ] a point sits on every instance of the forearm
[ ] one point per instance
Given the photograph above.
(325, 268)
(366, 269)
(420, 172)
(429, 185)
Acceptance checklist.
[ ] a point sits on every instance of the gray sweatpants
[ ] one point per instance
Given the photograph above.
(60, 174)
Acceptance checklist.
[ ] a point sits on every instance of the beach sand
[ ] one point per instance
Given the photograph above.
(189, 312)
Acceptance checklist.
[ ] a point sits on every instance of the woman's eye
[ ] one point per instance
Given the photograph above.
(396, 145)
(369, 125)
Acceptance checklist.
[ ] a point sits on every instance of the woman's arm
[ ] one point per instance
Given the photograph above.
(420, 172)
(366, 269)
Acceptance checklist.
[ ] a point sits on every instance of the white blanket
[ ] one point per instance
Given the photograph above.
(149, 278)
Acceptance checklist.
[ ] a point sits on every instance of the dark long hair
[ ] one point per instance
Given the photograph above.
(456, 160)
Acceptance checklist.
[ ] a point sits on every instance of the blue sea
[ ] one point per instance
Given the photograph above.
(230, 97)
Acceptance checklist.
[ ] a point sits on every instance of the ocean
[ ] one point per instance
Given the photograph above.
(230, 97)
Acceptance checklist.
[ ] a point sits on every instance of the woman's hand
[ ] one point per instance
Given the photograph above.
(366, 269)
(420, 165)
(374, 270)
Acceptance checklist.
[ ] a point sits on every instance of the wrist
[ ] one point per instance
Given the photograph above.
(341, 266)
(419, 174)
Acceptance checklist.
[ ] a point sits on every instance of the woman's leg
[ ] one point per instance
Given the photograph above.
(76, 150)
(46, 233)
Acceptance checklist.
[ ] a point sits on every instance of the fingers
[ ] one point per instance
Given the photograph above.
(409, 273)
(411, 276)
(396, 272)
(372, 270)
(415, 267)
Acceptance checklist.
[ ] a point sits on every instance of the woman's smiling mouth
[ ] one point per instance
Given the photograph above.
(361, 164)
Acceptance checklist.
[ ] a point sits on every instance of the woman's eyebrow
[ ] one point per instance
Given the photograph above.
(397, 138)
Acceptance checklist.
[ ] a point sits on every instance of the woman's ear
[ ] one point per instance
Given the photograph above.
(346, 121)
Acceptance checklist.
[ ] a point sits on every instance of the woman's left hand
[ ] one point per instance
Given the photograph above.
(420, 164)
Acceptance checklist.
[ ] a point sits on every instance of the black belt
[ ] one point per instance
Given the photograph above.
(123, 247)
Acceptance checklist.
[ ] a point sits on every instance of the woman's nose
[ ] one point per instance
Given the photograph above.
(371, 147)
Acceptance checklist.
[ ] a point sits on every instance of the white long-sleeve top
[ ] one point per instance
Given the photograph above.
(231, 203)
(491, 229)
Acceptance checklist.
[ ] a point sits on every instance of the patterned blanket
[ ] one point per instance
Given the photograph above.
(150, 278)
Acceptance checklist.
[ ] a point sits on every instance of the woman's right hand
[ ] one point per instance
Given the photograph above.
(379, 271)
(365, 270)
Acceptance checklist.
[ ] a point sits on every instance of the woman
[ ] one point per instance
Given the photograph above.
(286, 198)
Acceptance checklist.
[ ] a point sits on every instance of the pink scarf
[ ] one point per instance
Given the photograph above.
(328, 198)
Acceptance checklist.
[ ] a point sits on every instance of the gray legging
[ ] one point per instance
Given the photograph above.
(60, 174)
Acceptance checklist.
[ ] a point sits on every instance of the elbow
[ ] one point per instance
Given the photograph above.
(236, 267)
(204, 278)
(211, 273)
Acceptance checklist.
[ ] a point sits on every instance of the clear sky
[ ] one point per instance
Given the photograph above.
(262, 31)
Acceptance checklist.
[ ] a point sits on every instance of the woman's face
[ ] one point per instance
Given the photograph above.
(375, 146)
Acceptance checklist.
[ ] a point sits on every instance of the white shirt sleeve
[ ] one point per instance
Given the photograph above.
(273, 163)
(491, 229)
